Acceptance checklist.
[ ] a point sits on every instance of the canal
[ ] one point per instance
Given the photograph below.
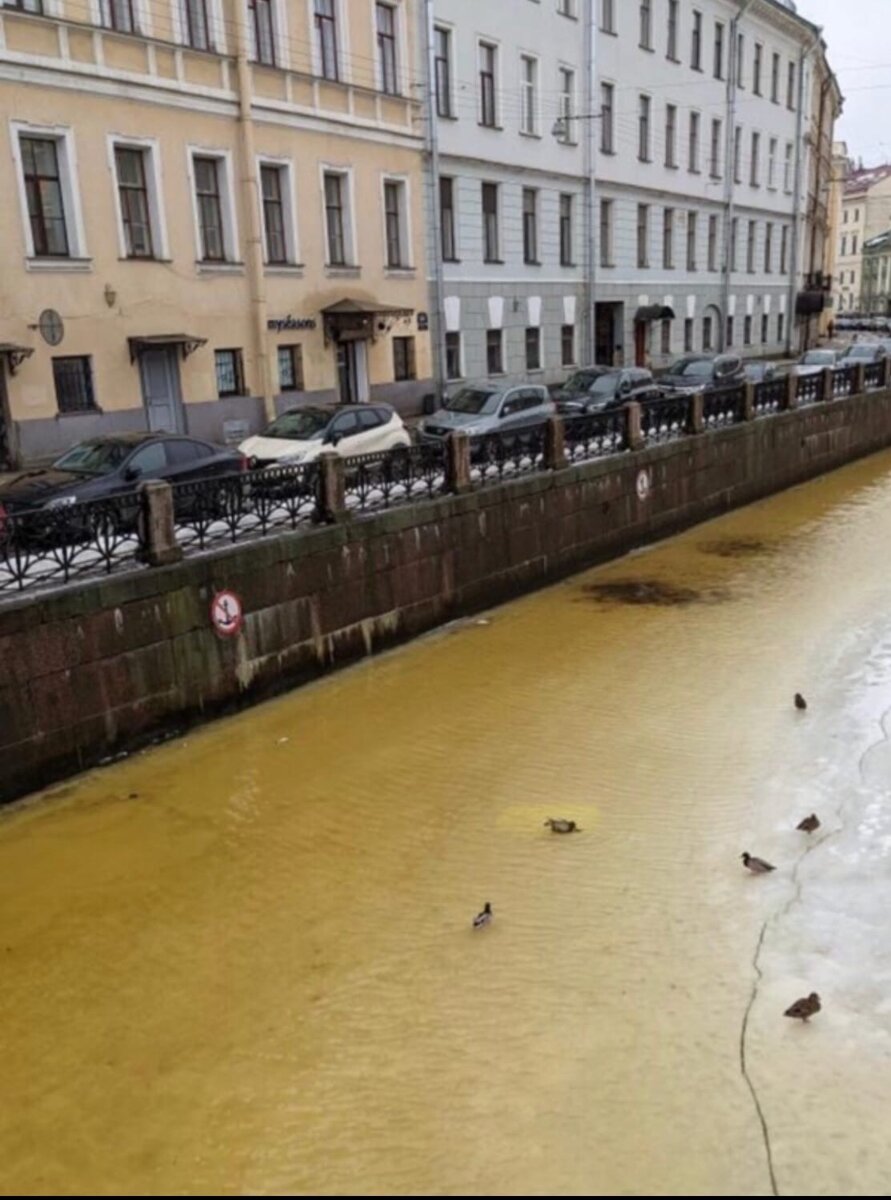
(243, 962)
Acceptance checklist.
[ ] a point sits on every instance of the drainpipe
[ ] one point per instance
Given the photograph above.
(437, 323)
(251, 199)
(796, 212)
(729, 180)
(591, 231)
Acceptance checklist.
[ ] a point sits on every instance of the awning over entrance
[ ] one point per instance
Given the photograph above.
(14, 355)
(359, 320)
(809, 304)
(187, 342)
(654, 312)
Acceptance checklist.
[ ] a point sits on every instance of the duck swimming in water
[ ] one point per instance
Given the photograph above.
(558, 825)
(804, 1008)
(484, 918)
(800, 702)
(809, 824)
(758, 866)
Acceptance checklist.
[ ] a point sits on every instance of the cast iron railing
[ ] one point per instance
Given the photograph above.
(595, 435)
(770, 396)
(665, 420)
(727, 407)
(809, 388)
(404, 476)
(505, 455)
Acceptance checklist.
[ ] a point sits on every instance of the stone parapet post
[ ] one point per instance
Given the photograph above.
(828, 385)
(791, 399)
(749, 401)
(555, 444)
(457, 462)
(859, 379)
(332, 490)
(886, 371)
(633, 433)
(157, 528)
(697, 412)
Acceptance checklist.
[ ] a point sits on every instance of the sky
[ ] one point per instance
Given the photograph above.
(858, 34)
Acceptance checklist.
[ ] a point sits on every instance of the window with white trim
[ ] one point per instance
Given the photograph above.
(262, 24)
(337, 218)
(118, 15)
(213, 201)
(396, 223)
(488, 60)
(453, 355)
(195, 24)
(567, 105)
(325, 27)
(277, 193)
(46, 162)
(528, 94)
(134, 178)
(442, 39)
(385, 19)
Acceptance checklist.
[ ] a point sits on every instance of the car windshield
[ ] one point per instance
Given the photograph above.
(471, 400)
(100, 457)
(692, 368)
(300, 425)
(815, 358)
(861, 352)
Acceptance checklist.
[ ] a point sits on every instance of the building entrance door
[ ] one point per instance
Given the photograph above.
(641, 338)
(607, 324)
(352, 372)
(161, 395)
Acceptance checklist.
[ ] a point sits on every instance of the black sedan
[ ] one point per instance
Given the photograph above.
(106, 468)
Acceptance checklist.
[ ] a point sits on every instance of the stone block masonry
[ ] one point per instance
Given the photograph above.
(92, 671)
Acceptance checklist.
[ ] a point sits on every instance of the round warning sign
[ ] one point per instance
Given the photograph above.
(226, 614)
(644, 483)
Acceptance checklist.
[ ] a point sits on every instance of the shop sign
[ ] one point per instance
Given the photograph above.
(283, 324)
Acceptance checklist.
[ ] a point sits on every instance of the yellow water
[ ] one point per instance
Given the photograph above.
(243, 963)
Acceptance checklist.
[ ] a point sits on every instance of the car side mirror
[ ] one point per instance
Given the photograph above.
(331, 439)
(131, 473)
(625, 388)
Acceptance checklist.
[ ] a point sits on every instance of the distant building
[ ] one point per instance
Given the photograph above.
(866, 213)
(876, 289)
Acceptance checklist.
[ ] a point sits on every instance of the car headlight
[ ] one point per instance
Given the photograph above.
(61, 501)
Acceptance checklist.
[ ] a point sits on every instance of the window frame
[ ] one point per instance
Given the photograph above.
(530, 226)
(495, 342)
(567, 338)
(326, 41)
(285, 171)
(238, 371)
(407, 370)
(448, 225)
(491, 221)
(566, 208)
(66, 160)
(226, 199)
(346, 209)
(400, 185)
(532, 340)
(88, 382)
(444, 98)
(294, 352)
(388, 49)
(487, 81)
(529, 95)
(454, 344)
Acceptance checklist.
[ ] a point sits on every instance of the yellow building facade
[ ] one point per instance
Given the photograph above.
(210, 210)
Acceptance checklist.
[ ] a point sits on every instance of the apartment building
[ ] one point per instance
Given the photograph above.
(210, 210)
(866, 213)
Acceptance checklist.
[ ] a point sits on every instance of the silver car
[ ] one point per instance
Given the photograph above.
(815, 361)
(482, 411)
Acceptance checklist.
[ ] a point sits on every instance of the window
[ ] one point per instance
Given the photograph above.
(688, 335)
(787, 168)
(713, 243)
(567, 104)
(844, 245)
(643, 235)
(734, 244)
(43, 188)
(772, 163)
(608, 16)
(781, 323)
(488, 113)
(395, 223)
(671, 50)
(385, 18)
(729, 332)
(668, 239)
(719, 50)
(750, 248)
(326, 38)
(210, 211)
(607, 93)
(404, 359)
(775, 79)
(747, 331)
(530, 225)
(737, 154)
(740, 60)
(715, 163)
(73, 378)
(533, 348)
(847, 214)
(273, 214)
(691, 241)
(230, 373)
(113, 14)
(447, 217)
(768, 247)
(854, 244)
(133, 198)
(693, 149)
(443, 66)
(334, 219)
(529, 92)
(195, 25)
(671, 125)
(856, 215)
(606, 233)
(765, 333)
(290, 368)
(646, 24)
(755, 165)
(756, 68)
(566, 8)
(263, 31)
(666, 337)
(566, 231)
(706, 333)
(567, 345)
(494, 357)
(784, 249)
(490, 222)
(696, 48)
(790, 87)
(643, 122)
(453, 355)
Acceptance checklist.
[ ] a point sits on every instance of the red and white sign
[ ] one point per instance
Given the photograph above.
(227, 614)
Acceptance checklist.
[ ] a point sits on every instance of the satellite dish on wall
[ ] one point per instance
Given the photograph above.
(51, 326)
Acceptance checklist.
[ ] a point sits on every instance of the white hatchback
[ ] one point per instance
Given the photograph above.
(300, 435)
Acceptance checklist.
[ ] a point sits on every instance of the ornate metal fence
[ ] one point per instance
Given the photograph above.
(404, 476)
(770, 396)
(506, 455)
(595, 435)
(232, 508)
(809, 388)
(722, 408)
(843, 380)
(874, 376)
(665, 420)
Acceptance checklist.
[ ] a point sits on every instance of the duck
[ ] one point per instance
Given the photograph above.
(804, 1008)
(559, 825)
(758, 866)
(481, 920)
(809, 824)
(800, 702)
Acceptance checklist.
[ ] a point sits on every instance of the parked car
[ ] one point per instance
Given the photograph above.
(865, 352)
(702, 372)
(484, 412)
(812, 362)
(598, 389)
(301, 434)
(761, 372)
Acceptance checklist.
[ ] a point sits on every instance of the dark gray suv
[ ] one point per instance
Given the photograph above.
(599, 389)
(703, 373)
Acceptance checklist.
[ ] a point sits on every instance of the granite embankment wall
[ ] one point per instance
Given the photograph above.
(90, 671)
